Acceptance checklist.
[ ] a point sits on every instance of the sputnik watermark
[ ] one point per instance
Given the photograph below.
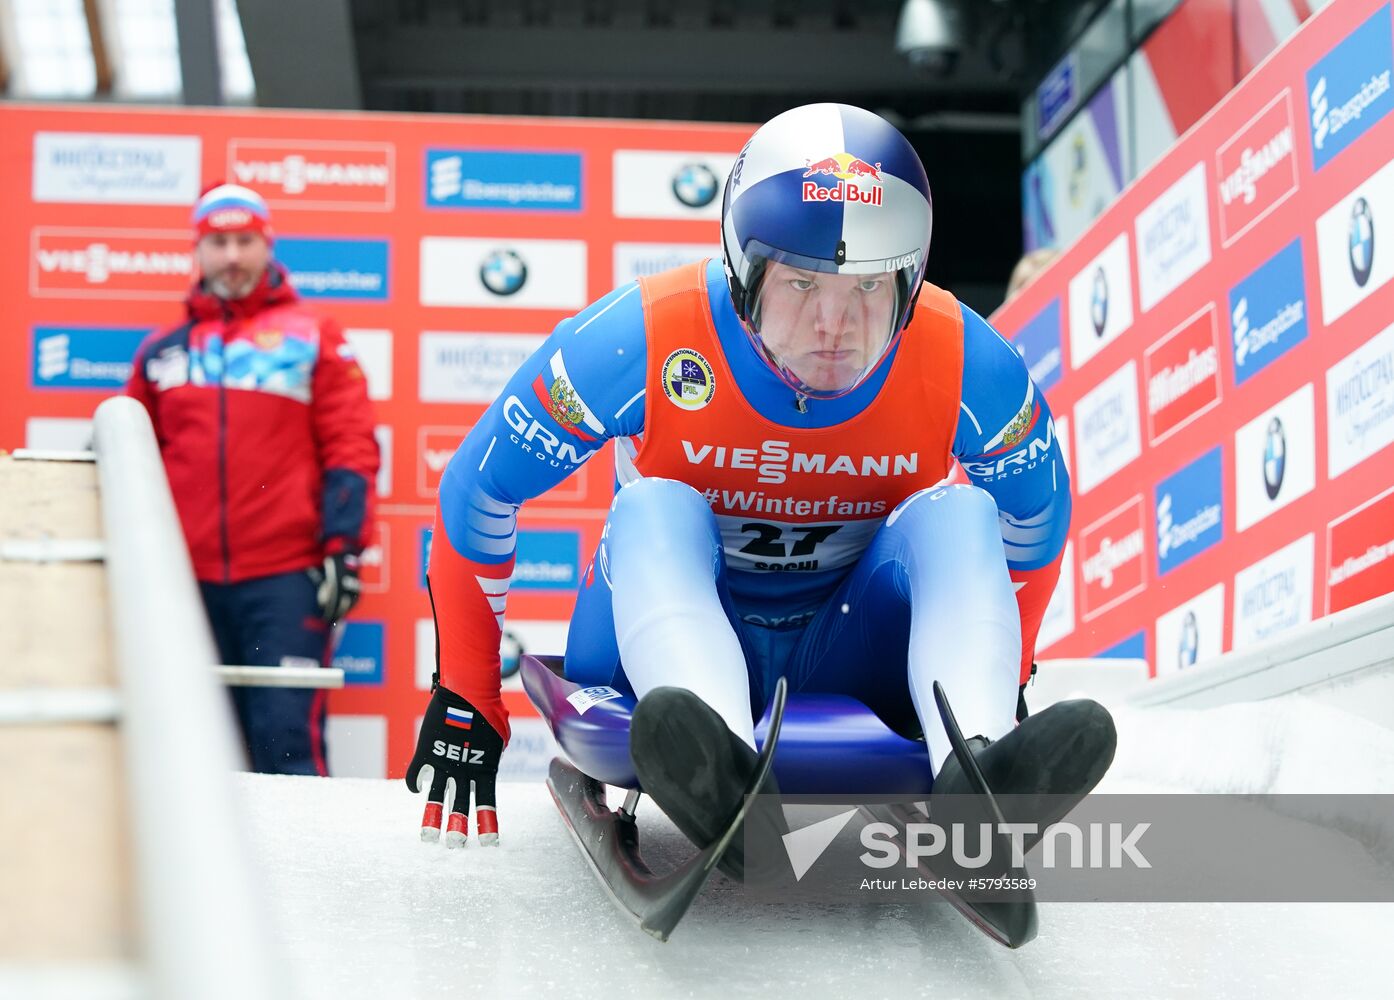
(973, 847)
(1117, 848)
(1098, 845)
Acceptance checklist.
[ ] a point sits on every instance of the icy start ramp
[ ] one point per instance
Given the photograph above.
(368, 911)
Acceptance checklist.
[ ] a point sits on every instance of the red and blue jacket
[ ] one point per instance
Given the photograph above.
(262, 416)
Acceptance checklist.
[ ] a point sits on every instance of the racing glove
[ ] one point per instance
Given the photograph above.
(458, 745)
(336, 585)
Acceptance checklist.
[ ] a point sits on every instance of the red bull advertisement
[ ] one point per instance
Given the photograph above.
(856, 181)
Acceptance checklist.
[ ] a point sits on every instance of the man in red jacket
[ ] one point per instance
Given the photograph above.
(263, 420)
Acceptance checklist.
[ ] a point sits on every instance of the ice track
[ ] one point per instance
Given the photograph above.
(367, 911)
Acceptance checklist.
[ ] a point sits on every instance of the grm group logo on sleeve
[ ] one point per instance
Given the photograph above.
(1108, 431)
(1101, 302)
(1348, 90)
(1173, 238)
(1352, 258)
(1360, 404)
(1190, 511)
(100, 168)
(348, 269)
(1274, 595)
(1038, 343)
(499, 179)
(1268, 312)
(360, 652)
(1192, 633)
(547, 560)
(83, 357)
(1275, 458)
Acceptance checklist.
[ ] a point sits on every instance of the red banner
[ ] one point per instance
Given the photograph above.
(1219, 341)
(448, 247)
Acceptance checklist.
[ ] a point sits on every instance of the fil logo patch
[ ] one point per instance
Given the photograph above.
(688, 379)
(1182, 373)
(110, 264)
(854, 180)
(1112, 559)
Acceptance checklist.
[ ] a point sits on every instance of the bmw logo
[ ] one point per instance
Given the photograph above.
(1362, 241)
(503, 272)
(1189, 646)
(510, 654)
(1098, 302)
(1275, 452)
(695, 185)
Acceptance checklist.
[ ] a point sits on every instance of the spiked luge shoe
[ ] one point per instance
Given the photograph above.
(697, 770)
(1041, 769)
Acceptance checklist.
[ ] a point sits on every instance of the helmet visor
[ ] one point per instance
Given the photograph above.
(824, 333)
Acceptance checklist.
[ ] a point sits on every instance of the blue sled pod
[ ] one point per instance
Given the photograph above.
(831, 744)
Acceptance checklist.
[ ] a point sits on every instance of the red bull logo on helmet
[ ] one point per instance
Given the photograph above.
(858, 182)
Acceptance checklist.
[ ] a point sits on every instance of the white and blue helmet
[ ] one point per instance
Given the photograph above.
(826, 188)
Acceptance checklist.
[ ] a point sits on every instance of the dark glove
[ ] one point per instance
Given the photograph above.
(337, 586)
(457, 744)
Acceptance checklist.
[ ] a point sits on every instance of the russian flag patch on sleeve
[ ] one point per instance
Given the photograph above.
(459, 718)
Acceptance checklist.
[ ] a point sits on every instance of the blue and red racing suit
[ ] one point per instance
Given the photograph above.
(587, 384)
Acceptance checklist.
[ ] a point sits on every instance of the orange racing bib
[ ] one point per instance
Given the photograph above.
(786, 498)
